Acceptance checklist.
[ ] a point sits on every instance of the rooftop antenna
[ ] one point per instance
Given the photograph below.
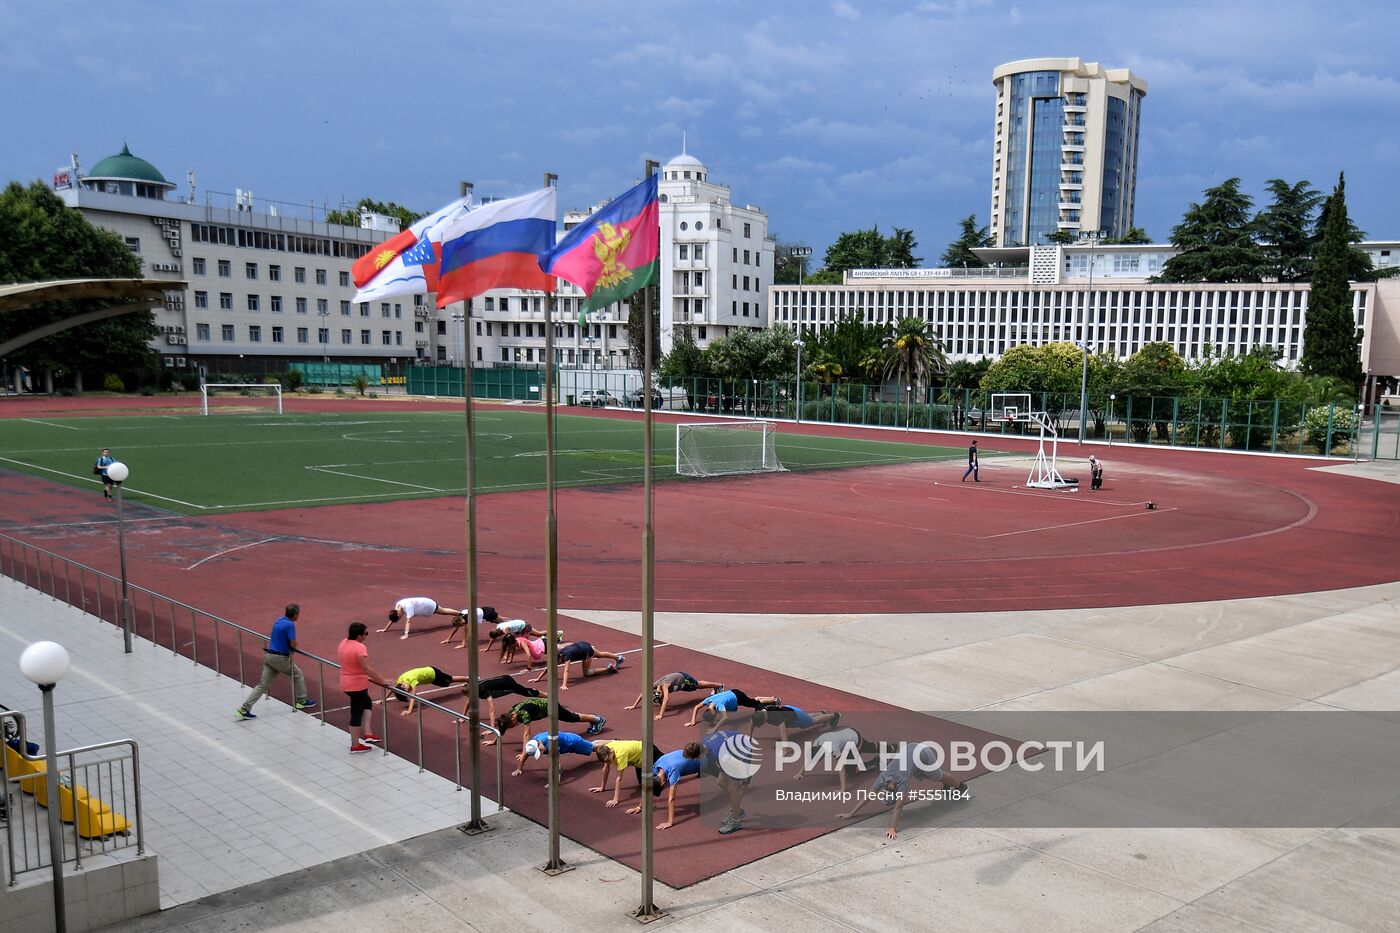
(683, 142)
(189, 177)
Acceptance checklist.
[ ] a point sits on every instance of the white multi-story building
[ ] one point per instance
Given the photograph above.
(261, 285)
(1094, 295)
(1064, 150)
(716, 269)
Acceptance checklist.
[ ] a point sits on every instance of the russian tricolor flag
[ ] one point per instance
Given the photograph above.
(498, 245)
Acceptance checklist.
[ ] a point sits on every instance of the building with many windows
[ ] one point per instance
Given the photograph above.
(1095, 295)
(261, 284)
(1064, 151)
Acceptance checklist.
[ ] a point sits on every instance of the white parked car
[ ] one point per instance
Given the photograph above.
(596, 398)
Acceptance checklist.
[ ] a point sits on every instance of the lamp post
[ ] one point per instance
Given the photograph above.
(45, 663)
(1093, 237)
(458, 327)
(753, 400)
(118, 472)
(1112, 397)
(798, 343)
(325, 315)
(908, 406)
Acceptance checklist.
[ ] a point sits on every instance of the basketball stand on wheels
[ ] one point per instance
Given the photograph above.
(1010, 408)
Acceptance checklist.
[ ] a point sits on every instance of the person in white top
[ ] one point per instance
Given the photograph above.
(483, 614)
(410, 606)
(518, 627)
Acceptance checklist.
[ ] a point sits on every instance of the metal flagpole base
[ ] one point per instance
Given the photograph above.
(556, 868)
(648, 913)
(476, 828)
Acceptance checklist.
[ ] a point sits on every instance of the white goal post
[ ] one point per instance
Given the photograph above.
(237, 388)
(720, 448)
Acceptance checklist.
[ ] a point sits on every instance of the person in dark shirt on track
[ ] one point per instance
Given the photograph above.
(972, 464)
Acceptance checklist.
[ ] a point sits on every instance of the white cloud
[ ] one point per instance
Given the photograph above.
(844, 10)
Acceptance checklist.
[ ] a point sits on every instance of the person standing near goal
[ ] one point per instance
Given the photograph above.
(972, 464)
(410, 606)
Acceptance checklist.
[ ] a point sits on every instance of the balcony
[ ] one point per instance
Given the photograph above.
(1072, 165)
(1076, 108)
(1072, 147)
(1071, 186)
(1070, 205)
(1073, 124)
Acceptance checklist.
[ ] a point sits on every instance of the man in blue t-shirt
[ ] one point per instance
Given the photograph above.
(570, 743)
(105, 460)
(669, 770)
(717, 707)
(277, 659)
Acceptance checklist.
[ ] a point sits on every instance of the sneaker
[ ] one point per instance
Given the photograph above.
(835, 720)
(595, 727)
(242, 713)
(357, 747)
(720, 689)
(612, 668)
(618, 662)
(307, 703)
(730, 826)
(372, 738)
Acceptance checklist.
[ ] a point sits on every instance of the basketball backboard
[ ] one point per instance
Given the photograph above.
(1011, 406)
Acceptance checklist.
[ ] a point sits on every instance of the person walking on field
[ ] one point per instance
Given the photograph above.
(410, 606)
(277, 659)
(104, 460)
(972, 464)
(355, 678)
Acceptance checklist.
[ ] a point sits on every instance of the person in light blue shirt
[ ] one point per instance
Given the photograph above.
(570, 743)
(277, 659)
(104, 460)
(717, 707)
(668, 771)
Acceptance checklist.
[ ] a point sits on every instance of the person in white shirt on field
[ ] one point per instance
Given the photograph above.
(410, 606)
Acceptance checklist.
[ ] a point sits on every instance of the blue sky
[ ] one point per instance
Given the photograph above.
(829, 116)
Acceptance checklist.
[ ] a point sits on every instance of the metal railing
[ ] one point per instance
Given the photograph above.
(206, 639)
(101, 793)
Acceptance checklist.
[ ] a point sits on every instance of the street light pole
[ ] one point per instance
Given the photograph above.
(45, 663)
(1093, 237)
(1112, 397)
(118, 472)
(798, 393)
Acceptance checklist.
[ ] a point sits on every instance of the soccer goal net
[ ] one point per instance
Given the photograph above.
(263, 395)
(718, 448)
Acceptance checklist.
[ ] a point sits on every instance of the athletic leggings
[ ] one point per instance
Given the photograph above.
(504, 685)
(360, 703)
(743, 699)
(637, 769)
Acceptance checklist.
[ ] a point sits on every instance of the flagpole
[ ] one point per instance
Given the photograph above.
(555, 865)
(648, 911)
(475, 824)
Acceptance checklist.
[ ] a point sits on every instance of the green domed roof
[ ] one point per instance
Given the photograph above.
(127, 166)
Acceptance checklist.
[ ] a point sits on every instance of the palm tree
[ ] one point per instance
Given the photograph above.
(913, 354)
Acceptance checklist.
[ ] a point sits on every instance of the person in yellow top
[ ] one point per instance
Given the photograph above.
(620, 754)
(407, 684)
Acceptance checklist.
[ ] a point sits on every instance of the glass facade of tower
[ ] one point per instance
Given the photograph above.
(1023, 113)
(1115, 174)
(1046, 136)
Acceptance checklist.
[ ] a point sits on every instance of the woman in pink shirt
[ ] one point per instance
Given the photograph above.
(355, 677)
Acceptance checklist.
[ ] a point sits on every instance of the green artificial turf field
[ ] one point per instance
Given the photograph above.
(237, 462)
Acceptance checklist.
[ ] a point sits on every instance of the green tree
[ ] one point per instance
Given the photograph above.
(41, 238)
(825, 277)
(853, 346)
(863, 249)
(1136, 236)
(1329, 332)
(1358, 264)
(1215, 240)
(1155, 371)
(1062, 237)
(913, 353)
(899, 250)
(1049, 372)
(686, 360)
(1285, 227)
(959, 253)
(787, 268)
(350, 216)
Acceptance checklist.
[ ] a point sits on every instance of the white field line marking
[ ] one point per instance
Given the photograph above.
(232, 549)
(89, 479)
(1087, 521)
(374, 479)
(50, 424)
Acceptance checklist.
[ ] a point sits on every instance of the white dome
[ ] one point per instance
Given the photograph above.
(685, 160)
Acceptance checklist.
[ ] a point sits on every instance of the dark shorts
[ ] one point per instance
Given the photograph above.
(360, 703)
(687, 683)
(493, 688)
(577, 651)
(441, 678)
